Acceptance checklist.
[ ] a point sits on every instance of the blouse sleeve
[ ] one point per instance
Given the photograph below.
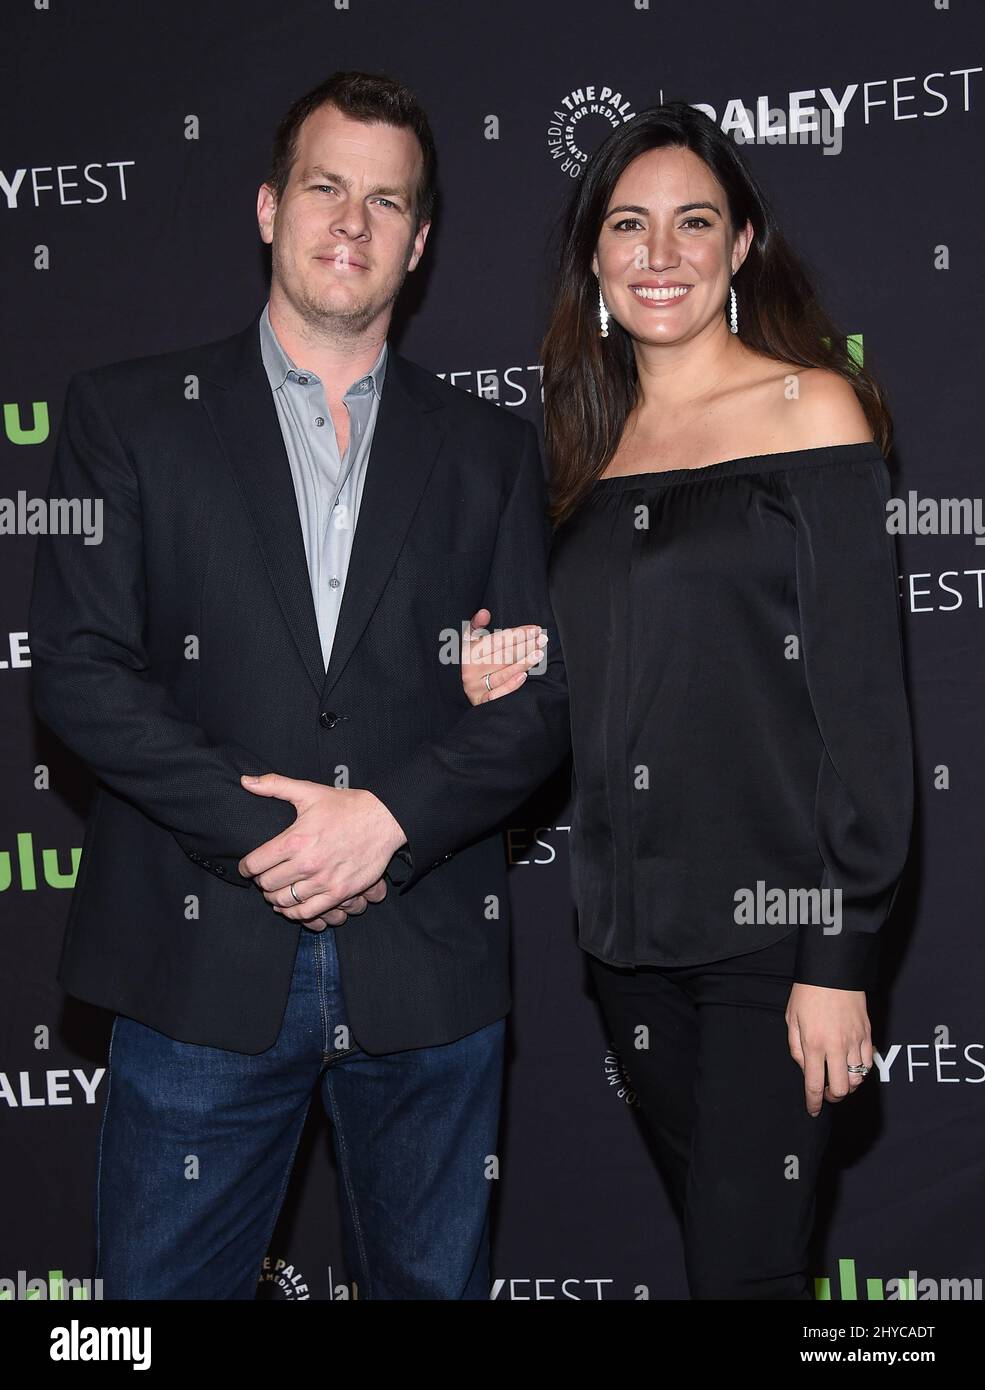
(851, 646)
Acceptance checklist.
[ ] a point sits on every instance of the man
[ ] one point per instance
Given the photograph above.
(292, 516)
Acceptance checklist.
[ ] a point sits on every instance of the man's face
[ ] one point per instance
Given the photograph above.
(344, 235)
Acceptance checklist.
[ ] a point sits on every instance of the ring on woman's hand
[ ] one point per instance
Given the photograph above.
(485, 680)
(295, 896)
(860, 1069)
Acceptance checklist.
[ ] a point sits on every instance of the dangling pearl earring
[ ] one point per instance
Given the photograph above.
(603, 316)
(733, 310)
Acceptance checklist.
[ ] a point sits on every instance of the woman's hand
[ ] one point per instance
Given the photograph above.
(828, 1026)
(504, 656)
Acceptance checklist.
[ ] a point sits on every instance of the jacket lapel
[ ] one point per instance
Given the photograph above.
(406, 441)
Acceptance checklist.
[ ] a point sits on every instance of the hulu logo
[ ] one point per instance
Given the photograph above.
(25, 863)
(35, 433)
(853, 347)
(849, 1289)
(56, 1288)
(907, 1288)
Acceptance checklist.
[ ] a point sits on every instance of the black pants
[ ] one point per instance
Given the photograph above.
(723, 1101)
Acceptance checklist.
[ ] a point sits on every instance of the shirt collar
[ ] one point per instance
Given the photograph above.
(279, 366)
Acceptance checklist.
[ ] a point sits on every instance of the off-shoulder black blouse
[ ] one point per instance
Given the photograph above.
(739, 719)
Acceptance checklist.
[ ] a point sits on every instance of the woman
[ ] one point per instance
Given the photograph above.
(725, 595)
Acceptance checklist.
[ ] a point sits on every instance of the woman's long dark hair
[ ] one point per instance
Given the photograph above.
(590, 383)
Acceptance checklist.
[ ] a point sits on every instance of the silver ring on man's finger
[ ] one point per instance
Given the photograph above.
(485, 680)
(860, 1069)
(295, 896)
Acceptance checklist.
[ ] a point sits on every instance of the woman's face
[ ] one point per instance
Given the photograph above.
(666, 254)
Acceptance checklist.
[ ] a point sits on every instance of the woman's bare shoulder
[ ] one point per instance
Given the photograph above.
(817, 408)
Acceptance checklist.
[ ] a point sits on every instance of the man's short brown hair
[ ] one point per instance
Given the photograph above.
(364, 96)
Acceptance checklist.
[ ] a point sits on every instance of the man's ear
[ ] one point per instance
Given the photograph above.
(266, 212)
(417, 245)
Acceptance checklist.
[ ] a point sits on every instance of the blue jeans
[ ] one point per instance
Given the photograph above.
(198, 1143)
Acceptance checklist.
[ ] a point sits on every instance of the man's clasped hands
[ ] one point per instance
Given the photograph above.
(334, 854)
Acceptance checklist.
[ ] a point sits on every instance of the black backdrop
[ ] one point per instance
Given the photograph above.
(134, 141)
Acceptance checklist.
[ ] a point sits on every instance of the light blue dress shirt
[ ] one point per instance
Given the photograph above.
(328, 488)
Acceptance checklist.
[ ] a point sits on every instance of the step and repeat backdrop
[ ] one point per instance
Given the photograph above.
(134, 141)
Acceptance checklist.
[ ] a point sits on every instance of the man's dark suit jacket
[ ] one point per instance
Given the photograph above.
(183, 651)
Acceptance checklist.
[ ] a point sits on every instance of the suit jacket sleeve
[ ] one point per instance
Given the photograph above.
(453, 790)
(91, 682)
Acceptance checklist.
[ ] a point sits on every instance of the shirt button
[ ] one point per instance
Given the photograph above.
(303, 380)
(319, 419)
(333, 583)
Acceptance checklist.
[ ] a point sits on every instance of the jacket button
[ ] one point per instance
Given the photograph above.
(327, 719)
(220, 870)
